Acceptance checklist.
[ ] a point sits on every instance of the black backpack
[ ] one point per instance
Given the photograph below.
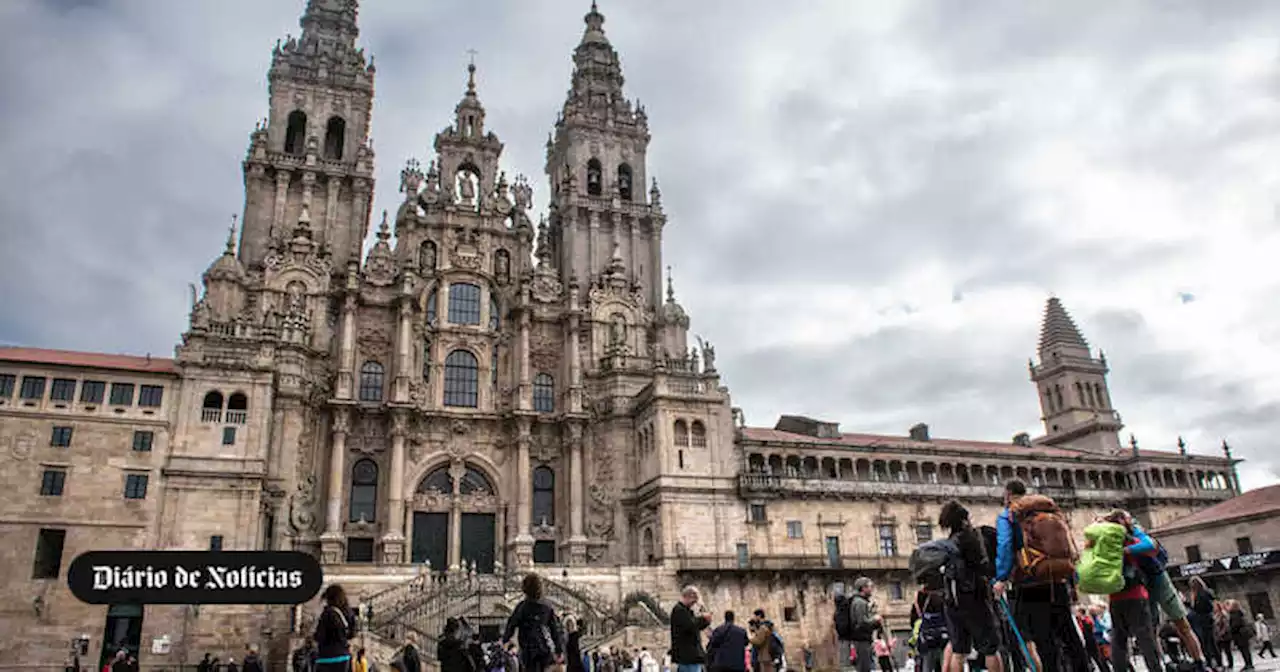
(844, 618)
(934, 563)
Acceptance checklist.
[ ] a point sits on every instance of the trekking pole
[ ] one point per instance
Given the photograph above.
(1017, 634)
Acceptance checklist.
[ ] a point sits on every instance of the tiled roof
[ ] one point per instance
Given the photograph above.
(905, 443)
(88, 360)
(1058, 327)
(1251, 503)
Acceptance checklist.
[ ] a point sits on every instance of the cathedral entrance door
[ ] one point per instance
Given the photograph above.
(479, 539)
(123, 632)
(431, 539)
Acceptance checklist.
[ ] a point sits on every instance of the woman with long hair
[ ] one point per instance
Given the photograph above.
(334, 630)
(537, 628)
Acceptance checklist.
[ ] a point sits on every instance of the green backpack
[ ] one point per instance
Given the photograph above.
(1101, 567)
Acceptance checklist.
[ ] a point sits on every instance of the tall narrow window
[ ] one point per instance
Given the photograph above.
(493, 366)
(371, 382)
(364, 492)
(335, 137)
(544, 496)
(888, 541)
(295, 137)
(51, 482)
(461, 379)
(464, 303)
(211, 409)
(624, 182)
(426, 360)
(682, 434)
(698, 434)
(595, 177)
(48, 561)
(7, 381)
(135, 486)
(544, 393)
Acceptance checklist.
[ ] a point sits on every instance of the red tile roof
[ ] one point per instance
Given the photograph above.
(88, 360)
(905, 443)
(1244, 505)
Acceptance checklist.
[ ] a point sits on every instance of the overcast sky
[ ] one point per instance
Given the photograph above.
(869, 201)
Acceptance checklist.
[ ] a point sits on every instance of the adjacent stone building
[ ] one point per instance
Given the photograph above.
(482, 393)
(1234, 546)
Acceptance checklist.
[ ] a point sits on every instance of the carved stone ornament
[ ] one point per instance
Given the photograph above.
(419, 393)
(600, 519)
(466, 259)
(302, 517)
(341, 421)
(545, 448)
(23, 446)
(545, 288)
(374, 340)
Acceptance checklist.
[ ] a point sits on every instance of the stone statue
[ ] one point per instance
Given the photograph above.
(502, 267)
(618, 331)
(466, 188)
(708, 354)
(427, 257)
(693, 361)
(523, 193)
(297, 296)
(200, 314)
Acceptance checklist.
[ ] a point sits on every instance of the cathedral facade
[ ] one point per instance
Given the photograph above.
(487, 391)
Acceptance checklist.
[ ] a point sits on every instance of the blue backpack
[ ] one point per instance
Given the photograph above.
(933, 632)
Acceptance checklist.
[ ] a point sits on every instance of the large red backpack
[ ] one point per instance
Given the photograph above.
(1048, 553)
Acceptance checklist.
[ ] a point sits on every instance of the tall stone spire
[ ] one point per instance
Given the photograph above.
(1058, 329)
(329, 26)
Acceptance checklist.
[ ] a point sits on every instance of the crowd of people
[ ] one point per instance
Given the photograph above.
(1017, 595)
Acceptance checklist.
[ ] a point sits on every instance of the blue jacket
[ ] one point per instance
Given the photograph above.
(1008, 541)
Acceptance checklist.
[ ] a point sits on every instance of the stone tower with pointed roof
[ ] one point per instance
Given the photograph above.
(1074, 400)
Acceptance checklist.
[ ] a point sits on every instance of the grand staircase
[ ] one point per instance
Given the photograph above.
(423, 604)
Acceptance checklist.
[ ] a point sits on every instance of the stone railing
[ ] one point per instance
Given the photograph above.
(795, 563)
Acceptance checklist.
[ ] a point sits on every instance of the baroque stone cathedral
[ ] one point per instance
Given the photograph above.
(489, 391)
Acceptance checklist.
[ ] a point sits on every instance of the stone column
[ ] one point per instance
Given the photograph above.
(575, 357)
(457, 471)
(577, 505)
(655, 254)
(524, 492)
(347, 349)
(393, 537)
(282, 197)
(525, 401)
(403, 359)
(331, 542)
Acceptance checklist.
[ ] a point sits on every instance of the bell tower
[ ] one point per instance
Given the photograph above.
(312, 153)
(1072, 383)
(596, 165)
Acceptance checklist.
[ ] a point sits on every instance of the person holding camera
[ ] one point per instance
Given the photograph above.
(689, 617)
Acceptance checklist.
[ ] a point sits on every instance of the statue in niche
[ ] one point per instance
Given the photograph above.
(427, 257)
(502, 266)
(297, 297)
(618, 331)
(466, 187)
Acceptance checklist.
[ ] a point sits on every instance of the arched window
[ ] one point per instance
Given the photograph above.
(426, 360)
(544, 393)
(474, 482)
(237, 408)
(698, 434)
(211, 409)
(493, 366)
(682, 434)
(438, 480)
(335, 137)
(427, 258)
(502, 267)
(544, 496)
(364, 492)
(295, 137)
(495, 315)
(624, 182)
(464, 303)
(461, 379)
(371, 382)
(594, 177)
(432, 298)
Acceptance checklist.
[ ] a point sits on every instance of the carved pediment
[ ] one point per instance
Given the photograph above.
(546, 288)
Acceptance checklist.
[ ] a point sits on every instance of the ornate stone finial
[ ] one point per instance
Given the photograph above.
(543, 248)
(384, 231)
(411, 178)
(655, 196)
(471, 72)
(231, 237)
(1133, 442)
(1226, 449)
(1102, 357)
(671, 290)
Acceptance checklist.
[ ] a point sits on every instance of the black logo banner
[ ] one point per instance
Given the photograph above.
(195, 577)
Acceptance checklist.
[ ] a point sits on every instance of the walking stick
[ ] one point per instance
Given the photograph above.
(1022, 644)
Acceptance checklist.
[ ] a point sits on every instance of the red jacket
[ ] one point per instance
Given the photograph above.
(1137, 591)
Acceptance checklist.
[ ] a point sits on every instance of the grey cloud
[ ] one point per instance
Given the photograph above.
(899, 127)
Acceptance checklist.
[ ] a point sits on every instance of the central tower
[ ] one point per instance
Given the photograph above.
(596, 165)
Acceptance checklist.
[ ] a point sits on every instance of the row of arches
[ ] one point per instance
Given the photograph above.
(335, 136)
(595, 180)
(910, 471)
(234, 408)
(362, 504)
(1088, 395)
